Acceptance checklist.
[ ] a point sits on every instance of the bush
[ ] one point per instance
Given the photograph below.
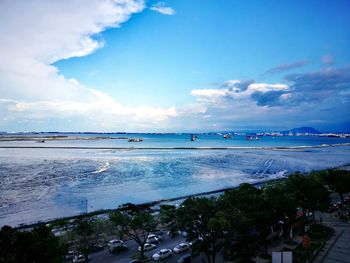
(302, 255)
(320, 231)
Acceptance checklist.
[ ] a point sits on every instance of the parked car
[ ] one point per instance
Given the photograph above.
(96, 248)
(70, 255)
(152, 238)
(118, 249)
(181, 247)
(116, 245)
(185, 259)
(161, 254)
(148, 247)
(79, 259)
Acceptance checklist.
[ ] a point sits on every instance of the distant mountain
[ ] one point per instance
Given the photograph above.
(305, 130)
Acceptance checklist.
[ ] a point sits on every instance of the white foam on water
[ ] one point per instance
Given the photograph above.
(102, 168)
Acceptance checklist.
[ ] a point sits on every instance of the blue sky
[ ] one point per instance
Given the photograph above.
(185, 65)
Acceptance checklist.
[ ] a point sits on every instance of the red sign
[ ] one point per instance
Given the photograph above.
(306, 241)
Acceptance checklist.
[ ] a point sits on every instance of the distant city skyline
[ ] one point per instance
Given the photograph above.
(173, 66)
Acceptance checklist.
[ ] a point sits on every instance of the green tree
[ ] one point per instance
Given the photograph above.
(38, 245)
(83, 227)
(167, 217)
(135, 221)
(119, 220)
(243, 208)
(338, 181)
(246, 198)
(45, 246)
(204, 223)
(309, 191)
(279, 203)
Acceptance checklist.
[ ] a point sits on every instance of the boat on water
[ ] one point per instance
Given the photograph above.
(193, 137)
(252, 137)
(227, 136)
(135, 140)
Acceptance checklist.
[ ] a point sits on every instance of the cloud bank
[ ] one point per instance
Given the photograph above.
(315, 98)
(34, 35)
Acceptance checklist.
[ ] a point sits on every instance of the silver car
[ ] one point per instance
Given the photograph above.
(152, 238)
(161, 254)
(181, 247)
(148, 247)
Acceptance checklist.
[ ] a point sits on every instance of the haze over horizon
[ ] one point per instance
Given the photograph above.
(173, 66)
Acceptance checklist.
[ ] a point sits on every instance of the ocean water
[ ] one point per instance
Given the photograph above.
(183, 140)
(38, 184)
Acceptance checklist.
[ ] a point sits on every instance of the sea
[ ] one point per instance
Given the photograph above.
(42, 181)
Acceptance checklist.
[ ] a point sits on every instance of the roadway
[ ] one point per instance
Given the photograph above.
(132, 251)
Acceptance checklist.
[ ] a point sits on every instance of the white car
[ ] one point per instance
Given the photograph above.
(181, 247)
(161, 254)
(79, 259)
(148, 247)
(152, 238)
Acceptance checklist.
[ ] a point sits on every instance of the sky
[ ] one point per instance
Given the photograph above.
(174, 66)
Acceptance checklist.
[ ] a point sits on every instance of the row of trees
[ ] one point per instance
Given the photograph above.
(41, 245)
(240, 221)
(237, 224)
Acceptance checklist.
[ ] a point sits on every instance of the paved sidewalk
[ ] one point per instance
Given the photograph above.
(340, 250)
(337, 248)
(329, 244)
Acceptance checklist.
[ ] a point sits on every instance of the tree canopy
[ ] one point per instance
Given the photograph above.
(38, 245)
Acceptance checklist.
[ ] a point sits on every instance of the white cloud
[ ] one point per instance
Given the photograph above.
(234, 106)
(264, 87)
(161, 8)
(235, 91)
(35, 34)
(209, 94)
(245, 105)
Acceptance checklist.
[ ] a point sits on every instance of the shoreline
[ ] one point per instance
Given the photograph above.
(301, 147)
